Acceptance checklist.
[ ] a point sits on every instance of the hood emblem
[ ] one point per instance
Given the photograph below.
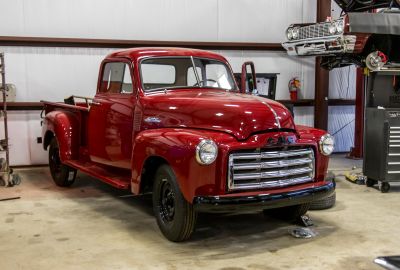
(152, 120)
(280, 140)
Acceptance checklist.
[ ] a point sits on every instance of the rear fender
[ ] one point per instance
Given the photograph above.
(65, 126)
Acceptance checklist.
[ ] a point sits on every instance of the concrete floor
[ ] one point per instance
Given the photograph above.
(90, 226)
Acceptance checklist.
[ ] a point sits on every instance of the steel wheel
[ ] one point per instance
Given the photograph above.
(167, 207)
(62, 175)
(55, 161)
(175, 216)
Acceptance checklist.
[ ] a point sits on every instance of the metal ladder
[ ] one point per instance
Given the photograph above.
(7, 178)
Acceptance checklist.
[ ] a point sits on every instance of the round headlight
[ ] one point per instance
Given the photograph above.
(327, 144)
(296, 32)
(206, 152)
(289, 33)
(339, 26)
(332, 29)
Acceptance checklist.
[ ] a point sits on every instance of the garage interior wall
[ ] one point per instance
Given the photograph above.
(44, 73)
(342, 85)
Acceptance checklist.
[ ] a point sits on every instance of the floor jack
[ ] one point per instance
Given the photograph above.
(355, 177)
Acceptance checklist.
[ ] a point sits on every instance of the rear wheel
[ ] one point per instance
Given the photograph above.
(175, 216)
(62, 175)
(288, 213)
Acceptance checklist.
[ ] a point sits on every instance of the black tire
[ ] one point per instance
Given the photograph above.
(370, 182)
(175, 216)
(323, 204)
(288, 213)
(384, 187)
(63, 176)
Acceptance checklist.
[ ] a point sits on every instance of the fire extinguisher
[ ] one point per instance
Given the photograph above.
(294, 88)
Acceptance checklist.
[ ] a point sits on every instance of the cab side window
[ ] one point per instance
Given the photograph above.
(116, 78)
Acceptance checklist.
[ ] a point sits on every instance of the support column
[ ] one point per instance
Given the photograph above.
(321, 75)
(356, 152)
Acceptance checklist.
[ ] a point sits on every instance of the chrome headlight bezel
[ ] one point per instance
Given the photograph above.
(296, 32)
(332, 28)
(327, 144)
(201, 147)
(339, 26)
(289, 33)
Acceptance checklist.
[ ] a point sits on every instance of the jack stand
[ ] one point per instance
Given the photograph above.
(305, 221)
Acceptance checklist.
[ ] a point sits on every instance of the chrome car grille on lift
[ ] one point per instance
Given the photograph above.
(315, 31)
(270, 168)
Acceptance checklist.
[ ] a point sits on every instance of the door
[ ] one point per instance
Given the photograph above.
(111, 116)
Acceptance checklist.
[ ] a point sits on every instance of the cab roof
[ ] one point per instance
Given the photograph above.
(144, 52)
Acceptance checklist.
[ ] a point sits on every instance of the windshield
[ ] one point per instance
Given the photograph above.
(179, 72)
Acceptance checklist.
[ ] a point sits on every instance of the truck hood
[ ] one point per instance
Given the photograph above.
(356, 6)
(238, 114)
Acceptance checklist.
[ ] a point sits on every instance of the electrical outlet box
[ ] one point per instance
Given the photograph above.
(11, 92)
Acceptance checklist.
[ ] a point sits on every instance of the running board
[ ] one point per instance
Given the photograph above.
(103, 173)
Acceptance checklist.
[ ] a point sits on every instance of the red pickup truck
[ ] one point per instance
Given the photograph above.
(173, 122)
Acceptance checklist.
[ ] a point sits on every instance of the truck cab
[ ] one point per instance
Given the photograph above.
(173, 122)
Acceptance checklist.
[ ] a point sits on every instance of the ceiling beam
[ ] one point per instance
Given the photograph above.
(122, 43)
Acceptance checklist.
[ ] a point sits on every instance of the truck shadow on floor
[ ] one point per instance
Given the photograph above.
(228, 234)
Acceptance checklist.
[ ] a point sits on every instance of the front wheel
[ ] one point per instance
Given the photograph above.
(288, 213)
(175, 216)
(62, 175)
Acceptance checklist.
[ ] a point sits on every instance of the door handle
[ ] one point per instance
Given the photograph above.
(95, 103)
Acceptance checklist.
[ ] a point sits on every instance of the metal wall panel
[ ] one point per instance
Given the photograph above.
(206, 20)
(53, 73)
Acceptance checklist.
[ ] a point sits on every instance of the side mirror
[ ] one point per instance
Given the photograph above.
(248, 79)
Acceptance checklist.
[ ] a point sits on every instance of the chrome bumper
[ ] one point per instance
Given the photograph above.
(321, 46)
(231, 203)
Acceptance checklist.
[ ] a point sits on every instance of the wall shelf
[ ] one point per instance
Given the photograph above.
(311, 102)
(37, 106)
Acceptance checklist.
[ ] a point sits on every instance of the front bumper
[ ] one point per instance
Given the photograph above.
(264, 201)
(321, 46)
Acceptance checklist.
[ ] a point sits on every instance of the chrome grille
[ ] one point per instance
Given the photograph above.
(270, 168)
(314, 30)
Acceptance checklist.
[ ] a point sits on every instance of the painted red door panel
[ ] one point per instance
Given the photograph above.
(111, 115)
(110, 129)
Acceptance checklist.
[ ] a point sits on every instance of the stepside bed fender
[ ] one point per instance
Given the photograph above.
(65, 126)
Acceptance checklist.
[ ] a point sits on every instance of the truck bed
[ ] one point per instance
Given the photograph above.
(69, 103)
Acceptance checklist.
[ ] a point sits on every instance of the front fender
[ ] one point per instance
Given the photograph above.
(308, 135)
(66, 128)
(177, 147)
